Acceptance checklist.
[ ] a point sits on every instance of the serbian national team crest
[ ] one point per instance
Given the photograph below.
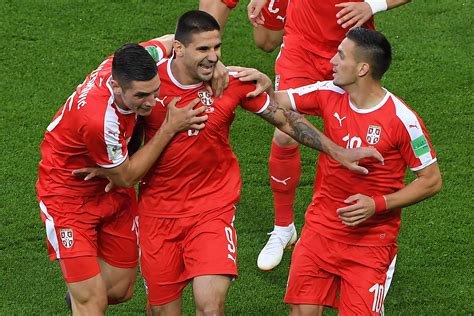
(67, 237)
(207, 100)
(373, 134)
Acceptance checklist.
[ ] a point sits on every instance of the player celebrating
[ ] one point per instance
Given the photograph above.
(89, 231)
(313, 30)
(348, 244)
(187, 199)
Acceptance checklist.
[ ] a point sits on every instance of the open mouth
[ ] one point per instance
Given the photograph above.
(207, 68)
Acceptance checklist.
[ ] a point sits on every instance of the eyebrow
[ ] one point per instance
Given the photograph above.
(207, 47)
(144, 94)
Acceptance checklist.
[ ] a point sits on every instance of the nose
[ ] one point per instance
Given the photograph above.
(212, 56)
(150, 100)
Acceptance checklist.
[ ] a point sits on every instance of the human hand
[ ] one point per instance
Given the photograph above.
(355, 214)
(353, 14)
(254, 12)
(179, 119)
(262, 82)
(89, 173)
(349, 158)
(219, 81)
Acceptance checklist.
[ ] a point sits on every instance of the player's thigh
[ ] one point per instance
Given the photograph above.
(219, 9)
(87, 295)
(366, 279)
(161, 258)
(211, 246)
(210, 291)
(308, 282)
(119, 282)
(266, 39)
(117, 235)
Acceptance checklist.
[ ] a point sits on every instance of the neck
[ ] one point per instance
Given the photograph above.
(180, 73)
(119, 102)
(365, 95)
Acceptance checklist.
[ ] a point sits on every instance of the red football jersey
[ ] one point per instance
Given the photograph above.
(89, 130)
(198, 171)
(312, 24)
(392, 128)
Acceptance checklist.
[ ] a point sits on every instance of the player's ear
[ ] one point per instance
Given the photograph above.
(178, 48)
(363, 69)
(116, 87)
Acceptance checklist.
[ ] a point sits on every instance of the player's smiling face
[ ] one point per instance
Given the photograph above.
(139, 96)
(201, 55)
(345, 65)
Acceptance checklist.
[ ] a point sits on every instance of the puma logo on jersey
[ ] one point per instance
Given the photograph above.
(282, 18)
(336, 115)
(413, 126)
(284, 182)
(162, 101)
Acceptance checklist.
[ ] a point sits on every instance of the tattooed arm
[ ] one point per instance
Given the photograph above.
(301, 130)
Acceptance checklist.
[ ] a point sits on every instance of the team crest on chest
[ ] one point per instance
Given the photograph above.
(207, 100)
(373, 134)
(67, 237)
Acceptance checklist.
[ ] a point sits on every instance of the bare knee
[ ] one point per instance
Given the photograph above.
(123, 290)
(88, 297)
(210, 308)
(282, 139)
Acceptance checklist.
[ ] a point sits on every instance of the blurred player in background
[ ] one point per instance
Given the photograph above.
(269, 21)
(92, 232)
(346, 255)
(313, 30)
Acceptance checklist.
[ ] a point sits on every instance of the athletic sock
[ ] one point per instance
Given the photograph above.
(285, 173)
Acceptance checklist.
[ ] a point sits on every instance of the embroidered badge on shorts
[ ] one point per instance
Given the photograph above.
(67, 237)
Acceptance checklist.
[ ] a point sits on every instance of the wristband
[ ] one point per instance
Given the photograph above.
(380, 204)
(377, 5)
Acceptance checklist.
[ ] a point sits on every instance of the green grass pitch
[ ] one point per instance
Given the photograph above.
(48, 47)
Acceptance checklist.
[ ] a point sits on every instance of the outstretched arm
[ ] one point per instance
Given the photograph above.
(427, 183)
(301, 130)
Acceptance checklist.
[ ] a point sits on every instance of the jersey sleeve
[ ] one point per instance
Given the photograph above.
(104, 140)
(311, 98)
(413, 140)
(255, 105)
(155, 48)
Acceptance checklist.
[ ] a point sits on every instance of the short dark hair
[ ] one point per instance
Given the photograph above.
(374, 48)
(132, 62)
(193, 22)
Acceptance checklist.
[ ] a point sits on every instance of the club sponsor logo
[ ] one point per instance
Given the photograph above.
(373, 134)
(67, 237)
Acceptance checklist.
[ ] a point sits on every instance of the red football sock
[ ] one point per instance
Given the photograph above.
(285, 173)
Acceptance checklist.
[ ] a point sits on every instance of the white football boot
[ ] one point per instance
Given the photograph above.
(280, 238)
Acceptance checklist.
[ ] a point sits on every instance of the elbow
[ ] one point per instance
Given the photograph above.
(435, 186)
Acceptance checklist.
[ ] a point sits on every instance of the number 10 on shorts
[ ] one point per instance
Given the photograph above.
(378, 290)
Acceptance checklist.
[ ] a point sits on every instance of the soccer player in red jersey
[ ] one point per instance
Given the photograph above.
(187, 199)
(313, 30)
(346, 254)
(93, 233)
